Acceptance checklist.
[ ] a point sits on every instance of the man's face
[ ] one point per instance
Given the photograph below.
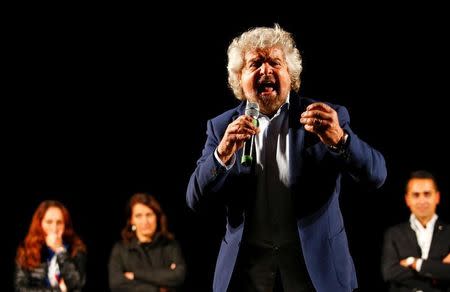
(265, 78)
(422, 198)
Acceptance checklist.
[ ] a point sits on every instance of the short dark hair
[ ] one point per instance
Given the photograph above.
(424, 175)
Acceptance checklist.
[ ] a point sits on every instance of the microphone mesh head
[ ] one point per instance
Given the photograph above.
(252, 109)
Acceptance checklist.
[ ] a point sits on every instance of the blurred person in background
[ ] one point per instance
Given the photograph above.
(416, 253)
(52, 257)
(148, 258)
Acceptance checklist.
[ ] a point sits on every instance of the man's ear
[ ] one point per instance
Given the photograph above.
(407, 200)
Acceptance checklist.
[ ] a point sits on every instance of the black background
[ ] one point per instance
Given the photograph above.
(101, 103)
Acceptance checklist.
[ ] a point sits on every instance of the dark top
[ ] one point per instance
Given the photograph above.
(73, 271)
(270, 242)
(400, 242)
(150, 263)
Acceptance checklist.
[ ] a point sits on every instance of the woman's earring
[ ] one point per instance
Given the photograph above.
(133, 227)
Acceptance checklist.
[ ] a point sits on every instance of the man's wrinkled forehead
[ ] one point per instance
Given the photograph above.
(264, 53)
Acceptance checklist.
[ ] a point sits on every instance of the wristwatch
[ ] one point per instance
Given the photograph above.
(340, 146)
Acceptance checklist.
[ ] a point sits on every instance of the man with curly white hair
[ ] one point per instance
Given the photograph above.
(275, 162)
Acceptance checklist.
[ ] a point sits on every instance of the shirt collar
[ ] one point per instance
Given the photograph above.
(417, 226)
(283, 108)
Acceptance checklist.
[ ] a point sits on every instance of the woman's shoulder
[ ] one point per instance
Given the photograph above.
(121, 245)
(170, 243)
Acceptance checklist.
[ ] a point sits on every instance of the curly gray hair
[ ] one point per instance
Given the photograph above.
(259, 38)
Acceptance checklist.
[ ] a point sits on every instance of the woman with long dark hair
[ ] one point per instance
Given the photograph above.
(147, 258)
(52, 256)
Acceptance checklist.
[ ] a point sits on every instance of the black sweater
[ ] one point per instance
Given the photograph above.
(150, 264)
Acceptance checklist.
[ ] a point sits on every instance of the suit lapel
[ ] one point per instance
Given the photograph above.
(411, 235)
(296, 138)
(436, 240)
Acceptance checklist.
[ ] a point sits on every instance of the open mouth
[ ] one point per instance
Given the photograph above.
(267, 87)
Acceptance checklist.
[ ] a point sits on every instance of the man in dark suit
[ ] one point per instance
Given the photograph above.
(416, 254)
(284, 229)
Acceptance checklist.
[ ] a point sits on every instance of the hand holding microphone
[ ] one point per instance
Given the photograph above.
(238, 132)
(252, 110)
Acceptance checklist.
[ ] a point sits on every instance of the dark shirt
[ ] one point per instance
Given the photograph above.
(270, 244)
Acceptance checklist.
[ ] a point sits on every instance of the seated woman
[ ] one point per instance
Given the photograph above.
(52, 257)
(148, 258)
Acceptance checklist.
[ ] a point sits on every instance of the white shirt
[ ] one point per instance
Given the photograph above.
(424, 236)
(53, 271)
(273, 135)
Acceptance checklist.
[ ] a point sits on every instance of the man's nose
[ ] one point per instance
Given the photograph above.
(266, 69)
(422, 199)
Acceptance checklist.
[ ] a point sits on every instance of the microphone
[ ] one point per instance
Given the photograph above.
(252, 109)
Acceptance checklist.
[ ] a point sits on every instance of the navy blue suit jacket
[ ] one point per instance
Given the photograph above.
(315, 174)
